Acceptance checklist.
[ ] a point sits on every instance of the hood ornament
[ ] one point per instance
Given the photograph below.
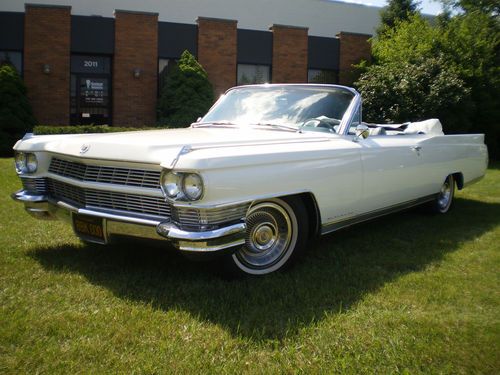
(85, 147)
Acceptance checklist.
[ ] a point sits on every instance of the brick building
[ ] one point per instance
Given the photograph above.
(84, 65)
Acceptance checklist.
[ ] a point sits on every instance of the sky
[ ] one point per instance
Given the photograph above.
(426, 6)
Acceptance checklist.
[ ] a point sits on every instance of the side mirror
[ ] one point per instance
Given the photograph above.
(362, 131)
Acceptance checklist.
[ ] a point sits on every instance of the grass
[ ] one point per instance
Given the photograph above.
(408, 293)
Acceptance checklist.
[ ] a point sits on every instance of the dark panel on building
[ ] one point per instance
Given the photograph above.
(11, 31)
(90, 64)
(324, 53)
(175, 38)
(92, 34)
(255, 47)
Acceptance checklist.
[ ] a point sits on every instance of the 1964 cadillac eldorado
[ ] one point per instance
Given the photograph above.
(268, 167)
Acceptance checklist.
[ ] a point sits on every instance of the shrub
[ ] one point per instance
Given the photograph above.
(415, 91)
(457, 53)
(186, 95)
(16, 116)
(81, 129)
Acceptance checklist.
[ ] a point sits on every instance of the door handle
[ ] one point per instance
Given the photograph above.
(416, 148)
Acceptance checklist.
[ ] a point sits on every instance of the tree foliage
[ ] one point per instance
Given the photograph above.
(186, 95)
(491, 7)
(396, 11)
(413, 91)
(16, 115)
(454, 64)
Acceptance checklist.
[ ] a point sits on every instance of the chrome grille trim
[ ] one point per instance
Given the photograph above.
(107, 175)
(199, 219)
(139, 204)
(187, 218)
(34, 185)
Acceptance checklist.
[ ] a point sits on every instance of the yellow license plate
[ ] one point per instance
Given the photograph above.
(89, 227)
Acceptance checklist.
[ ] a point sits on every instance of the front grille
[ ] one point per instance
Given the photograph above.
(141, 204)
(107, 175)
(34, 185)
(192, 219)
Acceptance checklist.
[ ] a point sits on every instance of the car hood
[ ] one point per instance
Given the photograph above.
(161, 146)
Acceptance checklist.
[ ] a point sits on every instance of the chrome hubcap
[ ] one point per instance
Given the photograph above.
(444, 197)
(269, 233)
(264, 236)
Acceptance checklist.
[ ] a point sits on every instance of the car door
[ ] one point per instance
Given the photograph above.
(393, 171)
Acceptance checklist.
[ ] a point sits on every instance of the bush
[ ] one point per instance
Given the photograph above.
(459, 53)
(186, 95)
(416, 91)
(82, 129)
(16, 116)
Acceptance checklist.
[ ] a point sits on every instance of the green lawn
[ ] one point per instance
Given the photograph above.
(408, 293)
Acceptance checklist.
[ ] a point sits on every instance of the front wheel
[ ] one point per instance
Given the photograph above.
(443, 201)
(277, 231)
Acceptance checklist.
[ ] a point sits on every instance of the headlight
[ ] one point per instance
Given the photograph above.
(170, 184)
(26, 162)
(31, 163)
(192, 186)
(181, 186)
(21, 162)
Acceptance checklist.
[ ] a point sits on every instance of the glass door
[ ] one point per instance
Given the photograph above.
(90, 90)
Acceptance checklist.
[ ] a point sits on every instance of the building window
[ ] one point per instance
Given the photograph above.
(322, 76)
(251, 74)
(165, 67)
(14, 58)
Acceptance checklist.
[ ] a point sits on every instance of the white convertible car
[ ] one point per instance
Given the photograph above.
(268, 167)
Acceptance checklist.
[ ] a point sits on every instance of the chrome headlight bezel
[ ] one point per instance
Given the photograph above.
(170, 183)
(20, 162)
(31, 162)
(173, 185)
(25, 162)
(188, 190)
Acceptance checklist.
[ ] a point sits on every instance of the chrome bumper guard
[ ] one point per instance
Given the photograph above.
(42, 207)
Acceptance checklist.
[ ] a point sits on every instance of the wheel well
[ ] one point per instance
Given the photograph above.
(312, 212)
(459, 179)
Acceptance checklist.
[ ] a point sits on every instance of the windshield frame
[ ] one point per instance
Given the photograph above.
(347, 118)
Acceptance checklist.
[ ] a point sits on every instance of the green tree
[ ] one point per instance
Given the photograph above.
(186, 95)
(413, 91)
(410, 40)
(396, 11)
(467, 48)
(16, 116)
(491, 7)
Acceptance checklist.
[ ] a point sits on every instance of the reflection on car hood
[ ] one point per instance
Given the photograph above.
(160, 146)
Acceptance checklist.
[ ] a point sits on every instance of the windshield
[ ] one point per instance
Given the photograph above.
(289, 107)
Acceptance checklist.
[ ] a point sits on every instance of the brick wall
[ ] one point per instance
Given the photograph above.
(217, 51)
(47, 31)
(136, 47)
(289, 54)
(353, 49)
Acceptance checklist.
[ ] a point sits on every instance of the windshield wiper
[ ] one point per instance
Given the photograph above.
(277, 126)
(212, 123)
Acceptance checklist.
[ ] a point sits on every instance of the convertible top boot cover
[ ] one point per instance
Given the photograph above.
(430, 127)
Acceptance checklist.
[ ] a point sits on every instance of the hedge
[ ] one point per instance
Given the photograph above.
(81, 129)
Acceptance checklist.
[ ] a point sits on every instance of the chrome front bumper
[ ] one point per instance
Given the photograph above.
(228, 237)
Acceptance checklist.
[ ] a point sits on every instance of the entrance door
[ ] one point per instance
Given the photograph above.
(90, 99)
(90, 90)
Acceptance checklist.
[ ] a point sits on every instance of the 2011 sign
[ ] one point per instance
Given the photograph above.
(90, 64)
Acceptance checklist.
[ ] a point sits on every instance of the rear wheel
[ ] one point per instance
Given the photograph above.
(444, 200)
(276, 234)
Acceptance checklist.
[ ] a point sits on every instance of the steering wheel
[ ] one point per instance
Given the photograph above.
(329, 124)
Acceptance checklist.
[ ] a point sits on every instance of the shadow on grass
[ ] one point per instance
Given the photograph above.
(338, 270)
